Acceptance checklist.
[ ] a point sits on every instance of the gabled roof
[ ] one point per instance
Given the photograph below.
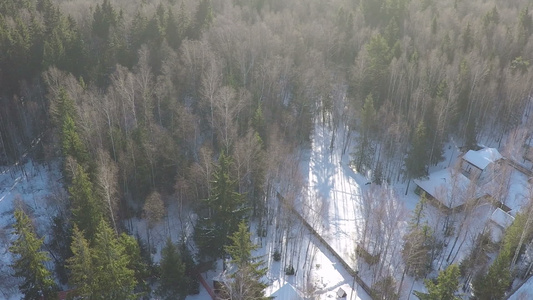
(441, 184)
(287, 292)
(482, 158)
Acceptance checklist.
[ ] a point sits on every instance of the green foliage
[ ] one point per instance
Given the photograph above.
(29, 260)
(193, 285)
(418, 157)
(376, 74)
(468, 38)
(379, 12)
(491, 17)
(226, 208)
(520, 64)
(104, 270)
(137, 263)
(277, 255)
(365, 146)
(471, 135)
(115, 280)
(246, 282)
(87, 210)
(61, 239)
(525, 25)
(418, 213)
(203, 18)
(104, 17)
(64, 113)
(82, 270)
(494, 284)
(445, 287)
(173, 283)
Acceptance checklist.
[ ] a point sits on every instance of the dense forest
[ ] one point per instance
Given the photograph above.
(145, 103)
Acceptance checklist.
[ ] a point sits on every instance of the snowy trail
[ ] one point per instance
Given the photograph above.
(334, 190)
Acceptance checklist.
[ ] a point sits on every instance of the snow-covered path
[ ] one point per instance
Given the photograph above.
(333, 200)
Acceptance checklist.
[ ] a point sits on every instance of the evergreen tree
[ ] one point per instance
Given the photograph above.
(376, 75)
(104, 17)
(61, 240)
(114, 279)
(82, 270)
(470, 135)
(445, 286)
(203, 18)
(494, 284)
(136, 263)
(64, 113)
(365, 146)
(226, 208)
(173, 283)
(417, 157)
(246, 283)
(29, 261)
(86, 210)
(193, 285)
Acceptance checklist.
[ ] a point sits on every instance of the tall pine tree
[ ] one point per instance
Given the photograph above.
(114, 279)
(494, 284)
(86, 209)
(417, 158)
(82, 271)
(29, 261)
(444, 288)
(246, 281)
(173, 284)
(225, 209)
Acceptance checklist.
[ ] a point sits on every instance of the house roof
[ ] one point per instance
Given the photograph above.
(287, 292)
(501, 218)
(482, 158)
(443, 186)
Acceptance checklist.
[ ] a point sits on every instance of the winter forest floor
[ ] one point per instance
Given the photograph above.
(331, 203)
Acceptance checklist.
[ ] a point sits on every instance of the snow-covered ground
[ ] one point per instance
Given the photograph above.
(333, 203)
(33, 187)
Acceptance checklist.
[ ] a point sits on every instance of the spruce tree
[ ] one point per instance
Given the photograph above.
(246, 281)
(225, 209)
(82, 270)
(114, 279)
(417, 157)
(86, 210)
(444, 288)
(137, 262)
(173, 283)
(29, 261)
(494, 284)
(365, 148)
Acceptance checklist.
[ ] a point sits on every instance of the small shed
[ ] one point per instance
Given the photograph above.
(499, 221)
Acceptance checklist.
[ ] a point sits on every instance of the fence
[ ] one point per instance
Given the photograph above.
(207, 287)
(346, 266)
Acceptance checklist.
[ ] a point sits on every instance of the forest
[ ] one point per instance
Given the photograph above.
(206, 104)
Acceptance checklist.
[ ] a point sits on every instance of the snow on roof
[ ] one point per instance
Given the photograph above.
(523, 292)
(482, 158)
(501, 218)
(441, 185)
(286, 292)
